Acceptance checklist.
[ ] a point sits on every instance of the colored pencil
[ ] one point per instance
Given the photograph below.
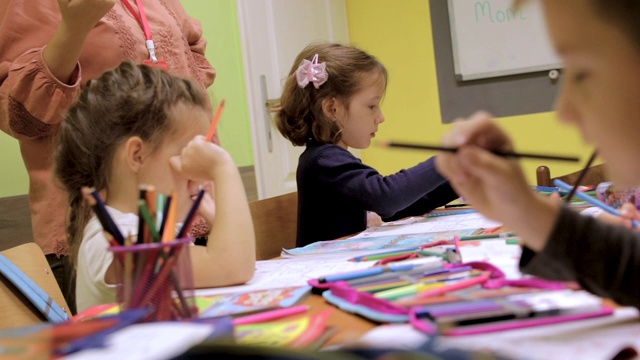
(488, 236)
(454, 287)
(127, 281)
(159, 281)
(382, 255)
(422, 270)
(214, 122)
(456, 205)
(148, 220)
(584, 172)
(496, 152)
(192, 213)
(165, 213)
(367, 272)
(142, 197)
(451, 212)
(159, 212)
(408, 290)
(271, 315)
(169, 230)
(92, 196)
(152, 200)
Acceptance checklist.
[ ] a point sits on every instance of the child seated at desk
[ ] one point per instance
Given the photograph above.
(139, 125)
(599, 43)
(331, 102)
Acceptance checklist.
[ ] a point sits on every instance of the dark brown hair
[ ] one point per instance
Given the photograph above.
(131, 100)
(299, 114)
(622, 13)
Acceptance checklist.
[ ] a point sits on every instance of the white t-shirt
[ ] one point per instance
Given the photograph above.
(94, 258)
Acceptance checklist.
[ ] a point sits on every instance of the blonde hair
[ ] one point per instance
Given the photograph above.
(300, 116)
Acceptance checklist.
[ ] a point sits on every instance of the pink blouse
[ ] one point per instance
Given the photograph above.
(33, 102)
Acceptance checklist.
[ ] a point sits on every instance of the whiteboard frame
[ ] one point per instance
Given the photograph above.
(489, 74)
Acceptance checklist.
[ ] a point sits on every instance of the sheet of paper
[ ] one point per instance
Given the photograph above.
(160, 340)
(273, 274)
(496, 251)
(373, 244)
(430, 225)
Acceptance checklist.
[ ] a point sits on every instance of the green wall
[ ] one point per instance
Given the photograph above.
(220, 26)
(224, 50)
(399, 34)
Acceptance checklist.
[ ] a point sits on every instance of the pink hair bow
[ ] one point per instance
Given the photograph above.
(312, 72)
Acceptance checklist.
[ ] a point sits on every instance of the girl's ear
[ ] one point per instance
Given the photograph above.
(332, 108)
(134, 153)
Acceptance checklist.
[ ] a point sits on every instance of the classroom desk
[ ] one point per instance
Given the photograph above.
(349, 327)
(601, 337)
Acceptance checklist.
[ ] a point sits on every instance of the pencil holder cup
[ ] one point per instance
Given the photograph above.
(158, 276)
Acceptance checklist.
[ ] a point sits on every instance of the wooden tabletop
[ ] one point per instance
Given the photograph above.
(349, 327)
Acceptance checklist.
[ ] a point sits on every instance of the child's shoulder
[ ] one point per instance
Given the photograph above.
(127, 224)
(326, 154)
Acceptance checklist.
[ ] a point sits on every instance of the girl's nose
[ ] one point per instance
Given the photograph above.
(565, 109)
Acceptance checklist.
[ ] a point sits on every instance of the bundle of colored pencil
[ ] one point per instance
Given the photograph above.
(153, 269)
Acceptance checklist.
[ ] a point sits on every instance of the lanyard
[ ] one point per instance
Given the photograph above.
(144, 24)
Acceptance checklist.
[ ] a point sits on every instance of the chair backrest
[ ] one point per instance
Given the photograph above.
(594, 176)
(15, 309)
(275, 221)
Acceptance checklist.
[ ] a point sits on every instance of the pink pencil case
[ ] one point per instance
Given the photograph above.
(365, 304)
(427, 326)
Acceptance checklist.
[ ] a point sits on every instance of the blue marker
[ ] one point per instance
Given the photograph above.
(591, 200)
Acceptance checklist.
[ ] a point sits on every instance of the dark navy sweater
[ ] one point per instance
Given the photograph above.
(604, 258)
(335, 191)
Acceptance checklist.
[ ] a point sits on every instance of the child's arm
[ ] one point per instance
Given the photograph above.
(229, 257)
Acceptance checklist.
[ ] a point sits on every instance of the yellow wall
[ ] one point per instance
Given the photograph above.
(399, 34)
(220, 27)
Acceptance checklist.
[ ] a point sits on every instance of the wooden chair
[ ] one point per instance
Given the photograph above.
(595, 175)
(15, 309)
(275, 221)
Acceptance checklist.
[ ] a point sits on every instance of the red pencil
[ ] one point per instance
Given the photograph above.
(214, 123)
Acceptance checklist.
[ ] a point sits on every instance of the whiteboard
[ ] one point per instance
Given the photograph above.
(490, 38)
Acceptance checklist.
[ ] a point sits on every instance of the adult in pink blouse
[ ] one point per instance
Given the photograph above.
(48, 51)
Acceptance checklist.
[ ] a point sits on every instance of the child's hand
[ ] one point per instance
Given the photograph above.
(373, 219)
(200, 160)
(628, 213)
(495, 185)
